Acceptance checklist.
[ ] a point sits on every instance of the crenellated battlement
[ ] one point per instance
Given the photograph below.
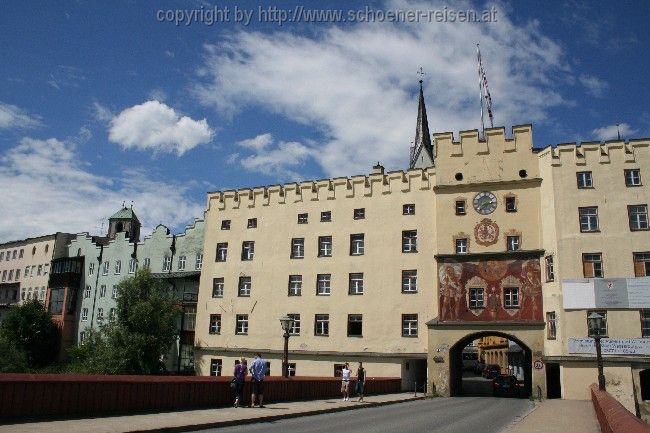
(375, 183)
(495, 141)
(593, 152)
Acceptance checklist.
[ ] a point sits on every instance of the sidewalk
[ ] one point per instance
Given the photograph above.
(205, 418)
(551, 416)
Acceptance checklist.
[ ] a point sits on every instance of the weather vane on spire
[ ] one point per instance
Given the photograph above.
(421, 74)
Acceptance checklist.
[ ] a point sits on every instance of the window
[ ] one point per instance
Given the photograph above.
(325, 216)
(359, 214)
(409, 241)
(17, 274)
(291, 369)
(4, 275)
(40, 270)
(189, 318)
(356, 284)
(147, 262)
(512, 243)
(225, 225)
(511, 297)
(355, 325)
(295, 326)
(84, 314)
(408, 209)
(199, 261)
(302, 218)
(357, 244)
(217, 287)
(82, 338)
(476, 297)
(167, 264)
(550, 272)
(460, 207)
(105, 268)
(551, 326)
(102, 291)
(295, 285)
(638, 217)
(215, 367)
(20, 255)
(511, 204)
(642, 264)
(297, 248)
(324, 246)
(247, 250)
(215, 324)
(645, 323)
(11, 274)
(322, 325)
(602, 331)
(27, 271)
(323, 284)
(181, 263)
(252, 223)
(592, 265)
(100, 314)
(118, 267)
(409, 281)
(244, 288)
(222, 251)
(632, 177)
(588, 219)
(461, 246)
(133, 266)
(114, 292)
(46, 268)
(584, 179)
(87, 292)
(409, 325)
(241, 324)
(2, 255)
(33, 273)
(13, 255)
(111, 315)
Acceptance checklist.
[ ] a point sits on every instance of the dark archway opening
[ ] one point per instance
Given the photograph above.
(468, 375)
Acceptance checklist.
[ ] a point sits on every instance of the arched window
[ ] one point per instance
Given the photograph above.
(47, 248)
(644, 379)
(34, 250)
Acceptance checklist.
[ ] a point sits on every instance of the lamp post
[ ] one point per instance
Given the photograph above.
(595, 325)
(287, 324)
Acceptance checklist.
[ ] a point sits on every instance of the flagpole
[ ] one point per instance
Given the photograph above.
(480, 87)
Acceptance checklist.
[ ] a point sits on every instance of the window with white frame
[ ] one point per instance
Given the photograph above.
(27, 271)
(357, 244)
(410, 241)
(359, 214)
(461, 245)
(215, 367)
(118, 267)
(512, 243)
(199, 261)
(356, 284)
(102, 291)
(592, 265)
(326, 216)
(584, 179)
(645, 323)
(146, 262)
(303, 218)
(244, 288)
(181, 263)
(511, 297)
(222, 251)
(550, 271)
(323, 284)
(39, 270)
(460, 207)
(291, 369)
(11, 274)
(105, 268)
(100, 314)
(409, 281)
(295, 285)
(82, 338)
(641, 264)
(20, 255)
(551, 325)
(217, 287)
(17, 274)
(252, 223)
(189, 317)
(46, 268)
(476, 297)
(91, 268)
(4, 275)
(133, 266)
(225, 225)
(87, 292)
(324, 246)
(408, 209)
(111, 315)
(409, 325)
(295, 325)
(321, 325)
(247, 250)
(167, 264)
(297, 248)
(638, 217)
(84, 314)
(215, 324)
(632, 177)
(241, 324)
(114, 292)
(588, 219)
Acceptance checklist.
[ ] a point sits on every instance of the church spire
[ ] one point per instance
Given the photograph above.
(422, 150)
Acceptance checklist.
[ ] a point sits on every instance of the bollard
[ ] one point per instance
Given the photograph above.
(415, 389)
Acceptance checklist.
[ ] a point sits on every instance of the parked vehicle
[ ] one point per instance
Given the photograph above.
(506, 386)
(479, 367)
(491, 371)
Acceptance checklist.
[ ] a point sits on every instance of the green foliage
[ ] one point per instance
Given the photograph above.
(28, 329)
(12, 359)
(144, 330)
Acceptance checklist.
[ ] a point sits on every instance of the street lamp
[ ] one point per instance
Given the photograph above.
(595, 321)
(287, 324)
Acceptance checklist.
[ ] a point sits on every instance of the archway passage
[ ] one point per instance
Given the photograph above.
(490, 363)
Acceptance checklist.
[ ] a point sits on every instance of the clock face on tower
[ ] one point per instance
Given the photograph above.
(485, 202)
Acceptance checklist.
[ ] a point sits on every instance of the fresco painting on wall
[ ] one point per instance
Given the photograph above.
(482, 290)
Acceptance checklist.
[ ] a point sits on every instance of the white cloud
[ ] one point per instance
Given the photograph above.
(65, 76)
(155, 126)
(101, 113)
(158, 95)
(611, 132)
(52, 190)
(14, 117)
(278, 160)
(595, 86)
(357, 85)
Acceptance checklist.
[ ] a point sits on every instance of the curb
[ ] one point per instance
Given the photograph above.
(269, 418)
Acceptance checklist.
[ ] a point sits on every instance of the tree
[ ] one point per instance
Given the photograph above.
(144, 330)
(29, 336)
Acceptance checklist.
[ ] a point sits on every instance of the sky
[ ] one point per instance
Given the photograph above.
(155, 104)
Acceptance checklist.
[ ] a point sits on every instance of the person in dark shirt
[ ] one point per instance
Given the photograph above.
(361, 381)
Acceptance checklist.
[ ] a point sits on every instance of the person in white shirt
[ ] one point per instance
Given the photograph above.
(345, 384)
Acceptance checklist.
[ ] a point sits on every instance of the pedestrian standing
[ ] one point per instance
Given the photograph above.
(258, 371)
(361, 381)
(241, 369)
(345, 383)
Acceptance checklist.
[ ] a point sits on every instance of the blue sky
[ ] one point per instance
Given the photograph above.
(105, 102)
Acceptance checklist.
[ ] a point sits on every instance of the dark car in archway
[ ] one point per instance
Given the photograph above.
(491, 371)
(506, 386)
